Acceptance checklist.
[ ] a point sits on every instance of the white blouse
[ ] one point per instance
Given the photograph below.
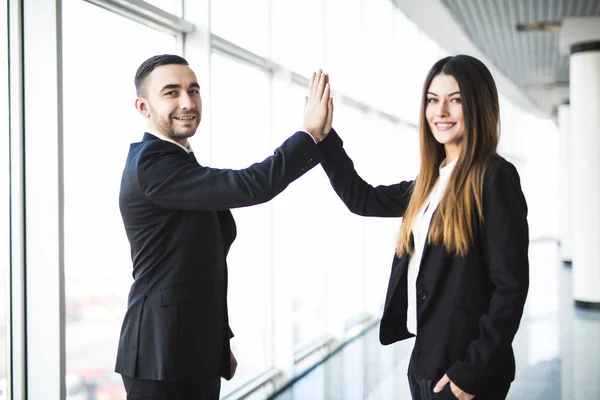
(420, 229)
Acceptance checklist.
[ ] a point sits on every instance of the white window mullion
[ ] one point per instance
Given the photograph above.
(15, 339)
(147, 14)
(196, 50)
(44, 271)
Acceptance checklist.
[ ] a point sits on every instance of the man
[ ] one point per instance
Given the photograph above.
(174, 342)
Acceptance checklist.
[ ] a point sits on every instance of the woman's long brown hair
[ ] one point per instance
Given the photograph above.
(461, 207)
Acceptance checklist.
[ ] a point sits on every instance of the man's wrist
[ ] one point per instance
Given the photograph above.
(311, 135)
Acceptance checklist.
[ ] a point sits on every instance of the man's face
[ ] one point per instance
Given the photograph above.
(172, 101)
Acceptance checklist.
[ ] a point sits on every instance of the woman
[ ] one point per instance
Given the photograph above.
(460, 274)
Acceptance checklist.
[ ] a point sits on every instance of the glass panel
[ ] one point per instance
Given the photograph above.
(302, 53)
(171, 6)
(297, 217)
(100, 122)
(346, 242)
(245, 23)
(379, 51)
(344, 49)
(427, 55)
(4, 196)
(538, 171)
(388, 155)
(408, 76)
(242, 91)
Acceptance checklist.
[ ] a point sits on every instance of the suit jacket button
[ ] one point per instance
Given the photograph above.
(422, 295)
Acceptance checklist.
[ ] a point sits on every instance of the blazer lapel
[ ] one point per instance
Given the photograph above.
(399, 266)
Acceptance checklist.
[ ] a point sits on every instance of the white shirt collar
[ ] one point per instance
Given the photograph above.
(445, 170)
(187, 149)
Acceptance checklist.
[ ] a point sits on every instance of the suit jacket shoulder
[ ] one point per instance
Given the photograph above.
(502, 179)
(170, 178)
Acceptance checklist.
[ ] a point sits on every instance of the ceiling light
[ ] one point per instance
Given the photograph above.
(547, 26)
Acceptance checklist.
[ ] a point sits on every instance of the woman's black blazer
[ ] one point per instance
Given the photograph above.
(468, 308)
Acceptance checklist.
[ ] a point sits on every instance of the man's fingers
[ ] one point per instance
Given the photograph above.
(329, 115)
(311, 84)
(326, 95)
(233, 363)
(320, 85)
(441, 384)
(317, 84)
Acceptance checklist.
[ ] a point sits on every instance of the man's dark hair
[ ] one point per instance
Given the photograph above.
(148, 66)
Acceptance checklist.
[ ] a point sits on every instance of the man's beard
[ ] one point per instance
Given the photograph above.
(165, 125)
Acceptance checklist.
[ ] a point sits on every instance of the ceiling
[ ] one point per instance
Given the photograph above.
(530, 59)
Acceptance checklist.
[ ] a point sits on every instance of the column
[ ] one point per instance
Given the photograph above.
(582, 37)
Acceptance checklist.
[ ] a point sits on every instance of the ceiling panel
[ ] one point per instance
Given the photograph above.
(531, 59)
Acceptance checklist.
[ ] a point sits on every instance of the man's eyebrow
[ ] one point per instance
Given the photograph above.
(170, 86)
(194, 85)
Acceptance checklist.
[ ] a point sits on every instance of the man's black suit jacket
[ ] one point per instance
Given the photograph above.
(468, 308)
(177, 219)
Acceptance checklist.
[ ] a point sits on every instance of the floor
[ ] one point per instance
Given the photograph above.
(557, 349)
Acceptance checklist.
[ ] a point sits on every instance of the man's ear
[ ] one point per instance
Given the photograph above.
(141, 105)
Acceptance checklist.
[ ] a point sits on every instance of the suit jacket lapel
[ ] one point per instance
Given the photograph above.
(401, 265)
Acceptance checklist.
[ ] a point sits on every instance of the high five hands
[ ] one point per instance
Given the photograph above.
(318, 107)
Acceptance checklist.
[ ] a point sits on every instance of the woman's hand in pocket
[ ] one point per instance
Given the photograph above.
(456, 391)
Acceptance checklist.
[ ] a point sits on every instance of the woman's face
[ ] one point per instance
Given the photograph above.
(444, 112)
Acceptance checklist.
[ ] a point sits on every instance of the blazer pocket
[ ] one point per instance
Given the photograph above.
(176, 294)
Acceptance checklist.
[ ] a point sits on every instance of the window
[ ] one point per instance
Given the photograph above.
(298, 215)
(170, 6)
(408, 75)
(239, 137)
(427, 55)
(379, 51)
(389, 167)
(4, 196)
(346, 241)
(294, 45)
(100, 122)
(245, 23)
(344, 48)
